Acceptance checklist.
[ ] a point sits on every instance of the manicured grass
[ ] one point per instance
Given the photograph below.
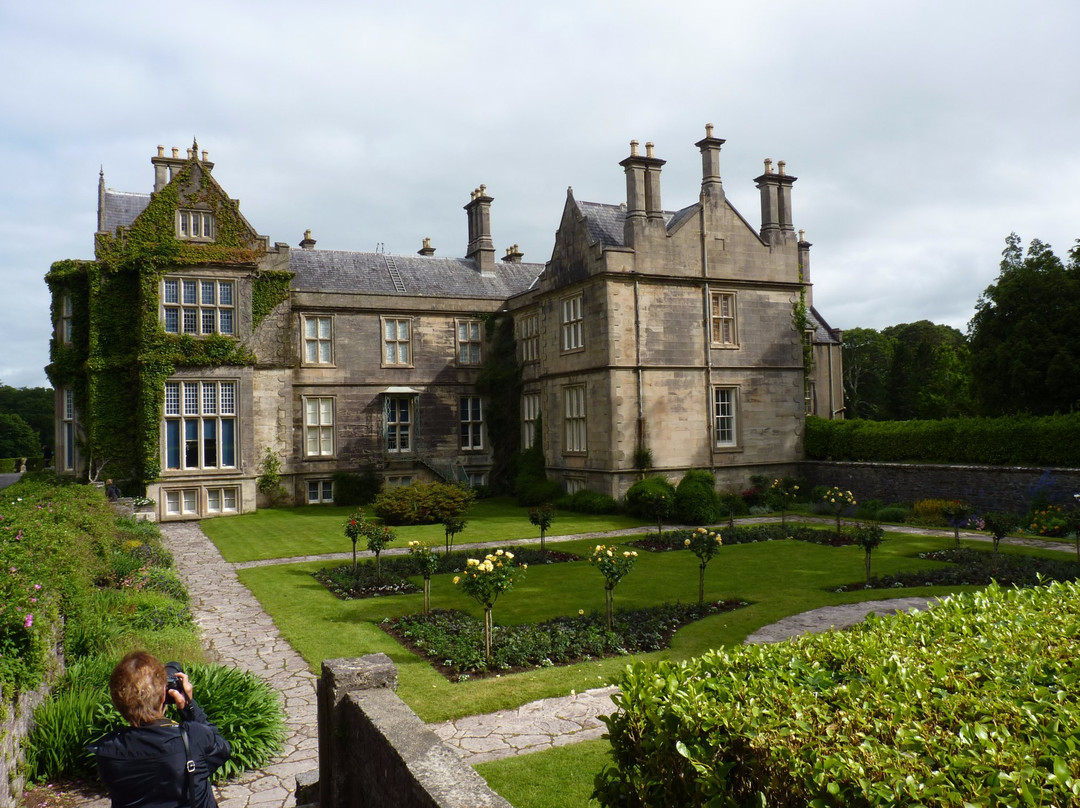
(291, 532)
(778, 578)
(554, 778)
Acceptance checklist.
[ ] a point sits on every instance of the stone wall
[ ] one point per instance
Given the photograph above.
(375, 751)
(1002, 488)
(16, 721)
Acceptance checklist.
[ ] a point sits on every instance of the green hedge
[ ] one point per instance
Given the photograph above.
(973, 702)
(1017, 440)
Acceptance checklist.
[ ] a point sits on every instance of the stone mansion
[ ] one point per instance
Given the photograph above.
(192, 347)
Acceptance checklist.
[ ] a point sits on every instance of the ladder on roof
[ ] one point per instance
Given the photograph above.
(395, 276)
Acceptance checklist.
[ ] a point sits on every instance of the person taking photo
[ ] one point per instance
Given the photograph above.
(155, 762)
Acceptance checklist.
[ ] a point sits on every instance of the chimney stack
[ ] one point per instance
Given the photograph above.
(307, 242)
(711, 184)
(643, 207)
(427, 250)
(513, 255)
(775, 202)
(481, 247)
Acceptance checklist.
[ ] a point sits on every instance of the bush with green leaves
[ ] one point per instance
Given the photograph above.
(353, 490)
(651, 498)
(696, 500)
(422, 503)
(245, 709)
(586, 501)
(844, 718)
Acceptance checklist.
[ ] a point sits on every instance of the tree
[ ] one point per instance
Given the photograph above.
(1025, 335)
(867, 358)
(35, 406)
(928, 376)
(17, 438)
(868, 536)
(542, 516)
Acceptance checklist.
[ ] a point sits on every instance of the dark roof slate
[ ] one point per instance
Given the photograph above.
(823, 333)
(121, 208)
(337, 271)
(606, 222)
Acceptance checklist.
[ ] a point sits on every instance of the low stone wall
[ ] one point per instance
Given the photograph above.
(16, 725)
(375, 751)
(999, 488)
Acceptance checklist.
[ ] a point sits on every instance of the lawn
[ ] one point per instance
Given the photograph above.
(291, 532)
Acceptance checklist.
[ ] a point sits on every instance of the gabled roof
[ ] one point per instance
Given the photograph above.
(120, 209)
(338, 271)
(823, 332)
(606, 222)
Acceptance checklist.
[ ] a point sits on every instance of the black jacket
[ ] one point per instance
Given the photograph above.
(145, 766)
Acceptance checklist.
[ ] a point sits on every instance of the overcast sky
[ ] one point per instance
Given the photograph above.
(922, 132)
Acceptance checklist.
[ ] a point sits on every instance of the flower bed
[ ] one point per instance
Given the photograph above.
(676, 539)
(453, 642)
(344, 584)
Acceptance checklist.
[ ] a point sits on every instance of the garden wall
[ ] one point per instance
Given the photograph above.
(375, 751)
(999, 488)
(15, 726)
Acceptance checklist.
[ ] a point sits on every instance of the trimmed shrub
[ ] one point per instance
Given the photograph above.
(533, 491)
(696, 500)
(842, 718)
(585, 501)
(893, 513)
(422, 503)
(642, 497)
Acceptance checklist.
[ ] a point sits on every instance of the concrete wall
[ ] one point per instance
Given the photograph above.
(375, 751)
(1001, 488)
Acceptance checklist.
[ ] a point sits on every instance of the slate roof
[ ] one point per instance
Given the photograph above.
(606, 222)
(823, 332)
(337, 271)
(120, 209)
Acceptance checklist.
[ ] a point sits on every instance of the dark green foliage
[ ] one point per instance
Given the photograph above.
(893, 513)
(499, 382)
(645, 496)
(35, 406)
(17, 438)
(454, 641)
(676, 539)
(245, 709)
(422, 503)
(531, 485)
(979, 568)
(353, 489)
(732, 504)
(696, 500)
(586, 501)
(843, 718)
(1025, 335)
(1014, 440)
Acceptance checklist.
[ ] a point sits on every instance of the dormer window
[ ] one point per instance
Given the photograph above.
(194, 225)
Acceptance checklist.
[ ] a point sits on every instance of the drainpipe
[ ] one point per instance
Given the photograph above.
(707, 334)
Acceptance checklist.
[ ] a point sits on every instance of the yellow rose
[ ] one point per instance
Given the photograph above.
(457, 578)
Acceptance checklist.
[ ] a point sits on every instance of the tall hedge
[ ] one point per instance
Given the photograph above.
(1017, 440)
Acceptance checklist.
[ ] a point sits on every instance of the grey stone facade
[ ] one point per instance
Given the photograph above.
(648, 329)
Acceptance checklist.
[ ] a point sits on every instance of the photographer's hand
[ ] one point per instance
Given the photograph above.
(182, 698)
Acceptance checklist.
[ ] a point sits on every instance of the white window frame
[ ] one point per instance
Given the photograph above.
(66, 329)
(530, 337)
(195, 225)
(222, 500)
(471, 415)
(723, 320)
(575, 435)
(319, 426)
(320, 492)
(68, 433)
(398, 480)
(182, 502)
(725, 411)
(573, 319)
(317, 336)
(186, 308)
(398, 434)
(397, 350)
(470, 340)
(573, 484)
(530, 414)
(201, 413)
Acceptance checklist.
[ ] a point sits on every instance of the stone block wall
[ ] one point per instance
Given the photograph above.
(1001, 488)
(375, 751)
(16, 721)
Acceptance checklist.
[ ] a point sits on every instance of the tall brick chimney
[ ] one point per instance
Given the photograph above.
(775, 190)
(643, 208)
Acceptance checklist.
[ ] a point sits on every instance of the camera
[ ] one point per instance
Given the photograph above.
(172, 681)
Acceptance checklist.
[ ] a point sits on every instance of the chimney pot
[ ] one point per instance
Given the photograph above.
(708, 130)
(426, 249)
(782, 166)
(633, 148)
(648, 149)
(768, 165)
(189, 154)
(307, 243)
(204, 155)
(175, 152)
(160, 151)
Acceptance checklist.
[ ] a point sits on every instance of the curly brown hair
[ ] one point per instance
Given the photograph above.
(137, 687)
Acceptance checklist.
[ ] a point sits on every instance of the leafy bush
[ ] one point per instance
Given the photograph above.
(586, 501)
(893, 513)
(731, 504)
(696, 500)
(644, 496)
(422, 503)
(843, 718)
(931, 511)
(1051, 521)
(353, 490)
(868, 509)
(245, 709)
(533, 491)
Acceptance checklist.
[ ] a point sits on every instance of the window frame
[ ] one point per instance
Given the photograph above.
(201, 422)
(719, 319)
(471, 419)
(188, 219)
(68, 430)
(175, 306)
(322, 487)
(530, 414)
(725, 417)
(66, 328)
(397, 341)
(575, 420)
(317, 340)
(397, 428)
(573, 323)
(223, 495)
(472, 342)
(530, 337)
(323, 430)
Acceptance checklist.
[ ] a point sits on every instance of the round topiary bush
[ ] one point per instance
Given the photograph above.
(643, 497)
(696, 500)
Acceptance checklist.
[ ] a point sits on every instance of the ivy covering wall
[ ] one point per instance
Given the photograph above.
(120, 355)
